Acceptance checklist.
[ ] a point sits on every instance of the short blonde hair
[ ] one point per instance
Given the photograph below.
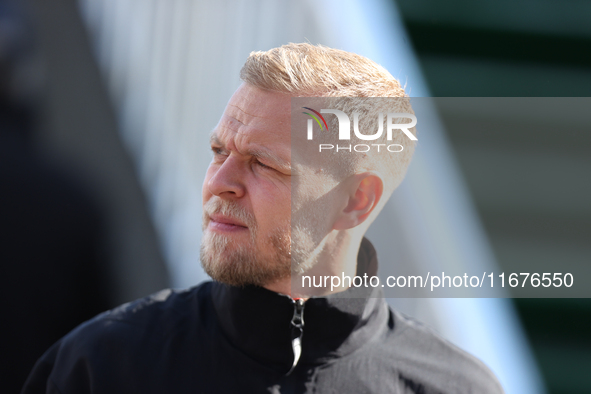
(315, 70)
(306, 70)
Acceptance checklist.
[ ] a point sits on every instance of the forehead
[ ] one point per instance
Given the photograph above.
(255, 117)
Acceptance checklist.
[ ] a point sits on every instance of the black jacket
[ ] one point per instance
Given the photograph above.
(219, 339)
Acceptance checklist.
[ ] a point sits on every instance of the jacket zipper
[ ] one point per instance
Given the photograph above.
(297, 331)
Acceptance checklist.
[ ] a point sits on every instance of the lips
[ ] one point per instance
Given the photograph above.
(225, 223)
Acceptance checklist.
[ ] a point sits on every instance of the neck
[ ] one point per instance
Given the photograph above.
(336, 258)
(257, 321)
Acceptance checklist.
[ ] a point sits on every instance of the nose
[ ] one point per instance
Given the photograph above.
(226, 180)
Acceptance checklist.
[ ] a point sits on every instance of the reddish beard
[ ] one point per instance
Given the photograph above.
(239, 262)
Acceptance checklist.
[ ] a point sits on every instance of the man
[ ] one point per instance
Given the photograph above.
(277, 210)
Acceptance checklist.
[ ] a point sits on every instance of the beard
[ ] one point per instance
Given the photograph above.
(241, 263)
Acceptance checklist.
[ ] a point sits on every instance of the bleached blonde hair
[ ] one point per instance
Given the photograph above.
(316, 70)
(306, 70)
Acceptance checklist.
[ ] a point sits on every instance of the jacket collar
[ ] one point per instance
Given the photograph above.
(257, 321)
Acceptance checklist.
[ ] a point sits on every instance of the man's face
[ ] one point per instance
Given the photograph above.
(246, 193)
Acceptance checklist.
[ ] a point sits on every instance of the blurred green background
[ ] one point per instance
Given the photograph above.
(531, 182)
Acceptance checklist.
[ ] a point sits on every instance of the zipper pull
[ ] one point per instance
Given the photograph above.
(297, 331)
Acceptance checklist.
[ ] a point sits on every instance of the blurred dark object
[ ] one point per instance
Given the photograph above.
(501, 48)
(528, 180)
(50, 228)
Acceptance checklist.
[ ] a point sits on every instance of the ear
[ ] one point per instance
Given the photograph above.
(364, 192)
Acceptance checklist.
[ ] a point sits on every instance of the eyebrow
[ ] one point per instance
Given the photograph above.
(280, 163)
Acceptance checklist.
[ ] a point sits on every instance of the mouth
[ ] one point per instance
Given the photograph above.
(225, 224)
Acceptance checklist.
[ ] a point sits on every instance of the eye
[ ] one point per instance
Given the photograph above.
(219, 154)
(263, 165)
(217, 150)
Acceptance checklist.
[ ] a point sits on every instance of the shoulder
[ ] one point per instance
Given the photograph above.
(121, 340)
(162, 312)
(423, 357)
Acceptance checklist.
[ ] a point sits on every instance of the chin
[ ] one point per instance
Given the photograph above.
(242, 266)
